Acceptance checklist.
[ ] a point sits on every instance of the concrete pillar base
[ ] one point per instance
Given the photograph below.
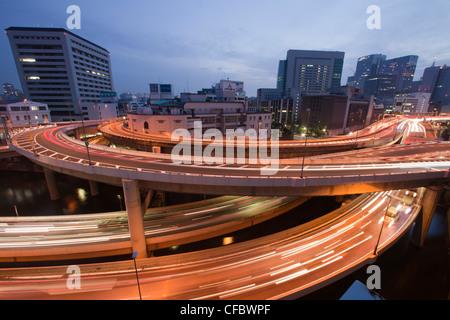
(51, 184)
(93, 185)
(147, 201)
(135, 221)
(423, 221)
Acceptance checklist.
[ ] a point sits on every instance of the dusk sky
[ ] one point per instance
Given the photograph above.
(192, 44)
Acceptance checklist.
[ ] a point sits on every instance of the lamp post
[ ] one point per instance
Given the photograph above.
(382, 225)
(120, 201)
(8, 139)
(135, 268)
(306, 139)
(86, 142)
(26, 111)
(357, 131)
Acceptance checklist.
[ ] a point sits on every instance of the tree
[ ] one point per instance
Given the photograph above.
(445, 134)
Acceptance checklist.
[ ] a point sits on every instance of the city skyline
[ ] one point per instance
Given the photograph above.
(194, 45)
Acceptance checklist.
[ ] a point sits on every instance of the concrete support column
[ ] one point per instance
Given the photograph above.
(51, 184)
(429, 203)
(147, 201)
(94, 188)
(135, 221)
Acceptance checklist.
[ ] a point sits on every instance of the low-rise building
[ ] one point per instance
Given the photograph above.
(416, 102)
(103, 111)
(212, 115)
(25, 113)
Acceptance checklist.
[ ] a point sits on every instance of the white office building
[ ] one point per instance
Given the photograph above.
(416, 102)
(60, 69)
(159, 92)
(212, 115)
(25, 113)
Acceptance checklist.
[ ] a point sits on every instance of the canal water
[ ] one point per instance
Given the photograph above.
(407, 272)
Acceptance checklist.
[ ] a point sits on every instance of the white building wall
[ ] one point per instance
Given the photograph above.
(156, 124)
(27, 113)
(103, 111)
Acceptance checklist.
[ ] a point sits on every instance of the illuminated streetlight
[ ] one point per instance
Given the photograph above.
(306, 139)
(382, 224)
(135, 254)
(86, 142)
(8, 139)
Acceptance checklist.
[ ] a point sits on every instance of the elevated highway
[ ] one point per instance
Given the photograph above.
(107, 234)
(284, 265)
(287, 264)
(378, 169)
(381, 133)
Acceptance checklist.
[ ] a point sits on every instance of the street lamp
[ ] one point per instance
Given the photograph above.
(8, 139)
(357, 131)
(306, 139)
(120, 201)
(135, 254)
(382, 224)
(86, 142)
(26, 111)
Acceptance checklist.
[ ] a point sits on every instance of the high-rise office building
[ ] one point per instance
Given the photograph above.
(381, 86)
(402, 68)
(429, 79)
(366, 66)
(312, 71)
(230, 91)
(308, 72)
(441, 92)
(8, 89)
(160, 92)
(60, 69)
(281, 79)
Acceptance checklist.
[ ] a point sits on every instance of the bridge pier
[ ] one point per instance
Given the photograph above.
(423, 220)
(147, 201)
(93, 186)
(135, 221)
(51, 184)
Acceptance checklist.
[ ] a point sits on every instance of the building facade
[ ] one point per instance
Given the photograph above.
(25, 113)
(160, 92)
(408, 103)
(366, 66)
(212, 115)
(403, 68)
(61, 69)
(325, 110)
(441, 93)
(311, 72)
(302, 73)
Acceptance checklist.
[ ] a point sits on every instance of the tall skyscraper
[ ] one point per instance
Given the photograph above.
(312, 71)
(441, 92)
(403, 68)
(60, 69)
(367, 66)
(308, 72)
(160, 92)
(429, 78)
(281, 79)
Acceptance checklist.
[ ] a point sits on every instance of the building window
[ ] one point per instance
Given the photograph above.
(145, 125)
